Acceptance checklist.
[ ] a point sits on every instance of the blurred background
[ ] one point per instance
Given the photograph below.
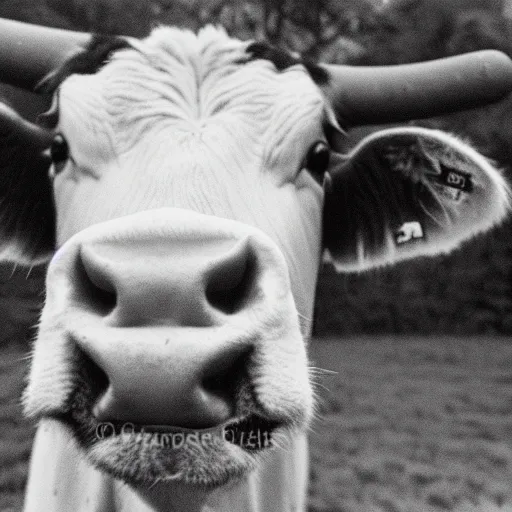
(419, 415)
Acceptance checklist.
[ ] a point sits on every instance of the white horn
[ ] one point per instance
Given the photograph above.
(29, 52)
(384, 94)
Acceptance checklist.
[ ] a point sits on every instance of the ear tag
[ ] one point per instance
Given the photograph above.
(455, 179)
(408, 232)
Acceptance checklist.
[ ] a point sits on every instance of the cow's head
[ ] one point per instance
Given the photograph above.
(183, 185)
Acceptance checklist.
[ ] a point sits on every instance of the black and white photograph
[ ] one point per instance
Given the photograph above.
(255, 256)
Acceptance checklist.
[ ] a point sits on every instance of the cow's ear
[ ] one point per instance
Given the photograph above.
(27, 214)
(406, 192)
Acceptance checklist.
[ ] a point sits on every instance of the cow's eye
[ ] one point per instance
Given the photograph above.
(317, 159)
(59, 152)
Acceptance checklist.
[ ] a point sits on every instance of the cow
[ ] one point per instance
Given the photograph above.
(185, 188)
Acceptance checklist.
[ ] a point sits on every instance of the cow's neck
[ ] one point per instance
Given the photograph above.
(61, 480)
(161, 498)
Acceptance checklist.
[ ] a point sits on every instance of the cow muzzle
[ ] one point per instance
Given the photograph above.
(181, 320)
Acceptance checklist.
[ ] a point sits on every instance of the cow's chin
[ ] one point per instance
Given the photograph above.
(143, 455)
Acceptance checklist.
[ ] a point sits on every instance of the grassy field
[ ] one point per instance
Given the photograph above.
(409, 425)
(15, 433)
(414, 425)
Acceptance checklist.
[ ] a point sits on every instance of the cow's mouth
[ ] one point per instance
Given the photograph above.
(144, 454)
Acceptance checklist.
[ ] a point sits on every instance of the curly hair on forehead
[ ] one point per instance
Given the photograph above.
(101, 48)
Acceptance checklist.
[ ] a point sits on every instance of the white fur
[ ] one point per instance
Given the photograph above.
(178, 122)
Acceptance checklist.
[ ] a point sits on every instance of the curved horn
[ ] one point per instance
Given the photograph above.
(14, 127)
(385, 94)
(29, 52)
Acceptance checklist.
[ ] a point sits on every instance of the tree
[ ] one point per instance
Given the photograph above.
(33, 11)
(129, 17)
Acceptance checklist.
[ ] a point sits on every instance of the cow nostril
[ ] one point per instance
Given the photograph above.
(97, 290)
(226, 377)
(231, 281)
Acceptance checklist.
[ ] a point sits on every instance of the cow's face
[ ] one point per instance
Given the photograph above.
(189, 235)
(189, 185)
